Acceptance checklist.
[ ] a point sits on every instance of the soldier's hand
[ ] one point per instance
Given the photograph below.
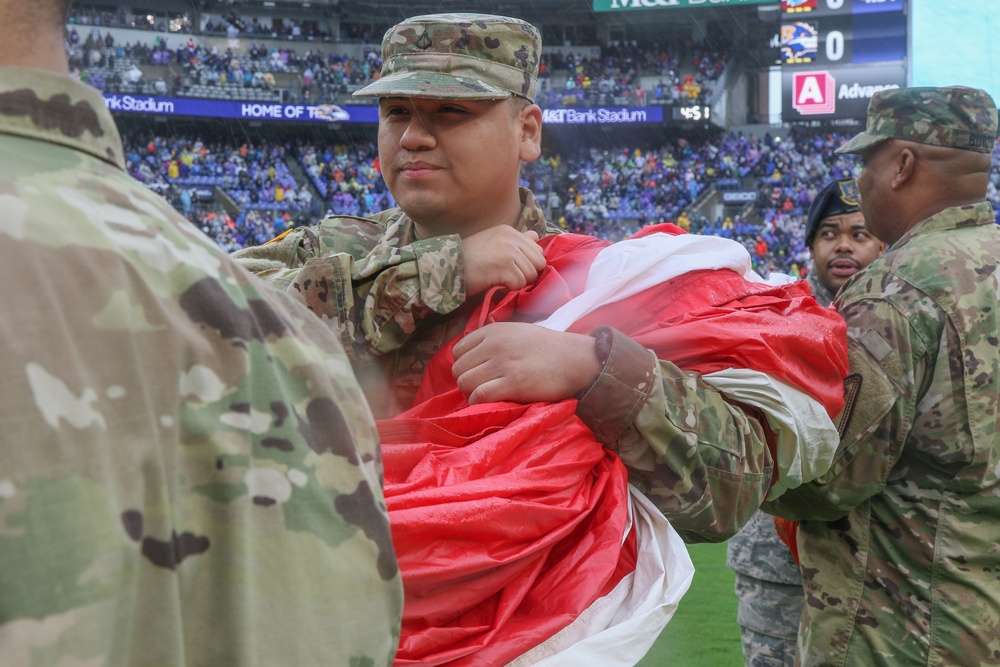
(516, 361)
(501, 256)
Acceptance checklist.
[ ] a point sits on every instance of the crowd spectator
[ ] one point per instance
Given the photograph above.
(348, 177)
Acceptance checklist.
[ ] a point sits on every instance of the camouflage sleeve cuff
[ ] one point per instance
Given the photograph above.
(440, 272)
(612, 403)
(803, 503)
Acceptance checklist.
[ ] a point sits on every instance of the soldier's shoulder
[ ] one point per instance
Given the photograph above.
(334, 231)
(946, 266)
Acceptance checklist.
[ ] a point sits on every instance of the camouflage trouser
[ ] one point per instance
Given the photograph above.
(768, 615)
(760, 650)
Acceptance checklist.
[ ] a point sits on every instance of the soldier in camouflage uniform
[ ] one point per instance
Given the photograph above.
(898, 541)
(768, 582)
(456, 119)
(189, 474)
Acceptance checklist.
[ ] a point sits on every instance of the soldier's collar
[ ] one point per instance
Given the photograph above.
(58, 109)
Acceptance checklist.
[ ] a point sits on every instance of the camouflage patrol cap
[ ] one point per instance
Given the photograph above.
(953, 117)
(458, 56)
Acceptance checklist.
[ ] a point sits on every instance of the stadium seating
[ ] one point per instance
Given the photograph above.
(324, 72)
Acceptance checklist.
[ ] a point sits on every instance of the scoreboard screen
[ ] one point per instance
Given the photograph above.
(816, 8)
(835, 54)
(842, 32)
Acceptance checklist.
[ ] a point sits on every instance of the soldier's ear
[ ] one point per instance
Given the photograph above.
(904, 168)
(530, 124)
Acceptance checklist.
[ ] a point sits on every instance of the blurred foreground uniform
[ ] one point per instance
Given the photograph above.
(189, 474)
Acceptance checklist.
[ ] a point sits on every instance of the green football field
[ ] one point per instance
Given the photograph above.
(703, 631)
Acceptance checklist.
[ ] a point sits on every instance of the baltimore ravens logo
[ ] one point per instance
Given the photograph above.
(849, 193)
(423, 42)
(799, 42)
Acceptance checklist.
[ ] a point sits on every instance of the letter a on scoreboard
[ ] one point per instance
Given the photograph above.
(814, 93)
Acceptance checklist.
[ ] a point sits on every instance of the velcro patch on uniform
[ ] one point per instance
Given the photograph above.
(876, 345)
(852, 389)
(867, 402)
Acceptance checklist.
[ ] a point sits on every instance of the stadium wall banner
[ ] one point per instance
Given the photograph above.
(834, 93)
(619, 5)
(185, 106)
(331, 113)
(739, 196)
(602, 115)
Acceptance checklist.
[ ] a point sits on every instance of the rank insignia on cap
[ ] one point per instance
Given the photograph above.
(849, 193)
(458, 56)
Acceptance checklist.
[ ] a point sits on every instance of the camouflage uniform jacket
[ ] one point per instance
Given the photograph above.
(824, 295)
(188, 471)
(899, 552)
(396, 299)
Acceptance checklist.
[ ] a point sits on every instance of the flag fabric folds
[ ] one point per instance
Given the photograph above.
(517, 534)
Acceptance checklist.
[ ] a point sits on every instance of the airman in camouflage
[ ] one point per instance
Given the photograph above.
(898, 541)
(768, 581)
(769, 590)
(456, 120)
(189, 474)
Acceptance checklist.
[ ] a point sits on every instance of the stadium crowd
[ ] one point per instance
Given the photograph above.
(615, 77)
(277, 28)
(622, 74)
(245, 193)
(609, 192)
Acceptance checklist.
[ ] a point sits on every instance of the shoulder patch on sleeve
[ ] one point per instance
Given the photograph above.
(280, 236)
(870, 390)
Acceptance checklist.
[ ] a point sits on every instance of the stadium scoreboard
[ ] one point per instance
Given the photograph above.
(842, 32)
(691, 112)
(835, 54)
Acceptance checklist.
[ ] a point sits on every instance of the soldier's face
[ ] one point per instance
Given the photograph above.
(842, 247)
(876, 195)
(452, 164)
